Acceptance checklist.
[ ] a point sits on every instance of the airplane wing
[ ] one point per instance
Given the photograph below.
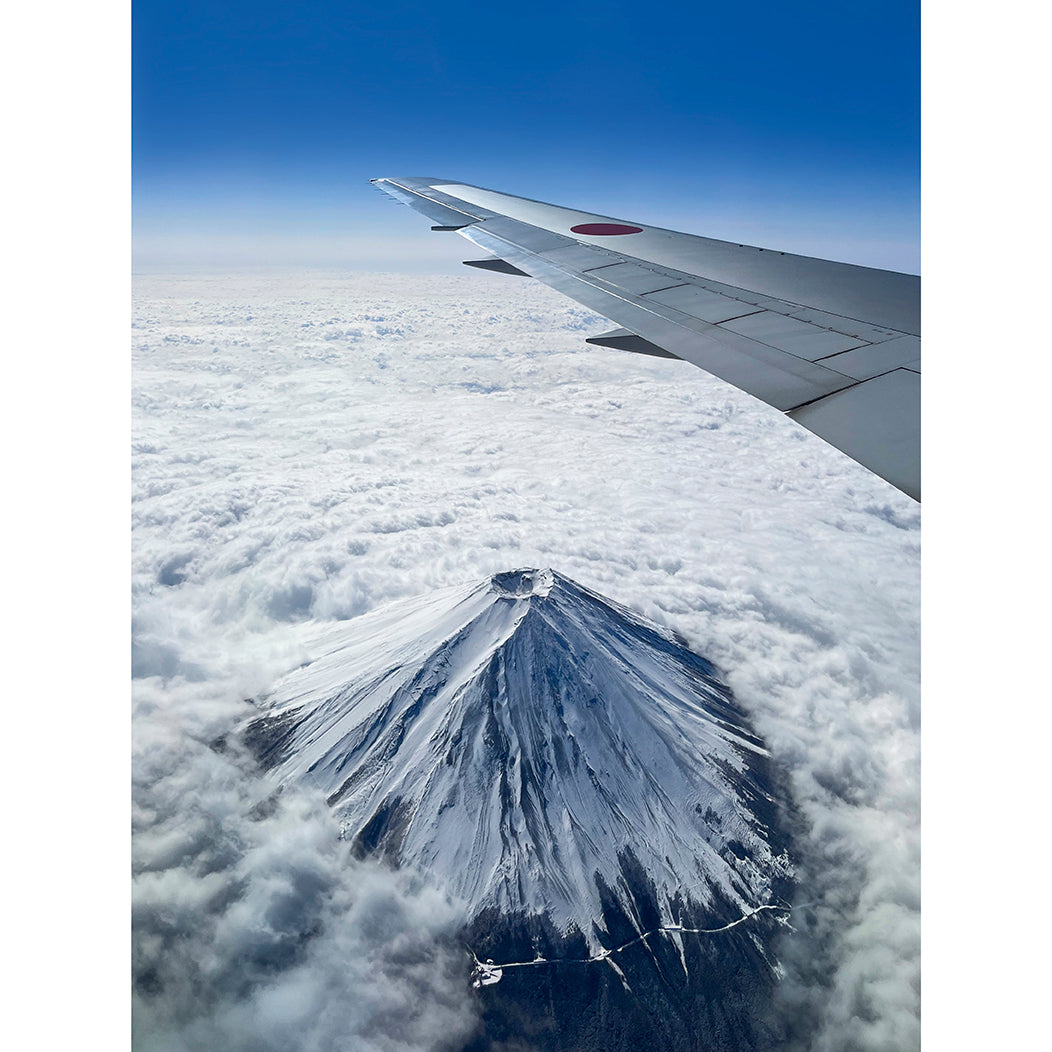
(836, 347)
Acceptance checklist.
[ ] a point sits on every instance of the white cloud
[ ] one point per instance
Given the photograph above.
(312, 445)
(254, 929)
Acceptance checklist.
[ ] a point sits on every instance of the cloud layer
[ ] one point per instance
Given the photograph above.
(254, 929)
(311, 445)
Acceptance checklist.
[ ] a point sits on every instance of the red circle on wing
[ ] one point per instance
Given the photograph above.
(605, 229)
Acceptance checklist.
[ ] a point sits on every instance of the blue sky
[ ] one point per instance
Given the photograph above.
(257, 126)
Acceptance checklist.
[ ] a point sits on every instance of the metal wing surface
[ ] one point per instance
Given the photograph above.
(834, 346)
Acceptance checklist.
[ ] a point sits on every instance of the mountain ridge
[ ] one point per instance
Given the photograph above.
(512, 740)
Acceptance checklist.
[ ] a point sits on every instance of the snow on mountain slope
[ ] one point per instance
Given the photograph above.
(516, 739)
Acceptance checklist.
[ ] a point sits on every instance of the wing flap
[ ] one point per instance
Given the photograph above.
(780, 379)
(833, 345)
(523, 236)
(848, 326)
(863, 363)
(703, 303)
(632, 278)
(791, 334)
(581, 257)
(877, 423)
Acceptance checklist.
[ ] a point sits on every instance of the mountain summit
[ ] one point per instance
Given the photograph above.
(535, 749)
(581, 781)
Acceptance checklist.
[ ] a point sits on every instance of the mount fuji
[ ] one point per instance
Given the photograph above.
(580, 780)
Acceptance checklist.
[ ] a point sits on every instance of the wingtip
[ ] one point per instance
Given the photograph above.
(414, 182)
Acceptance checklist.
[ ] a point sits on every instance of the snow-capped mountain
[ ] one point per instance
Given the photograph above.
(537, 750)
